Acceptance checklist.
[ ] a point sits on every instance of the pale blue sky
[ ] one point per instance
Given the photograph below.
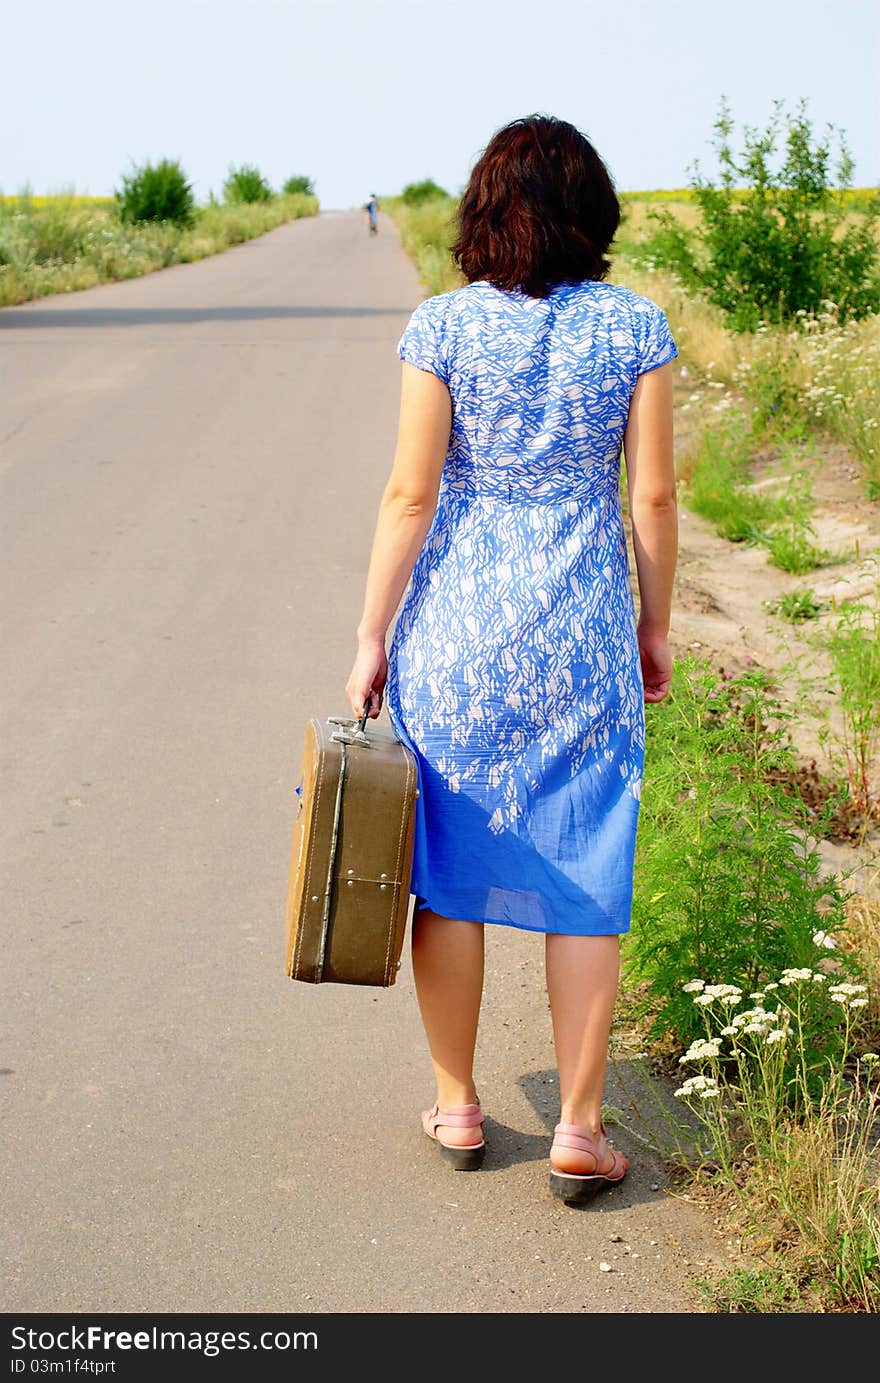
(370, 94)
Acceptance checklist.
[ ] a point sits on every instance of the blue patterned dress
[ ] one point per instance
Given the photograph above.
(514, 670)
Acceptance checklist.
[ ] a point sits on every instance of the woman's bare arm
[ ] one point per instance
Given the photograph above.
(405, 515)
(650, 473)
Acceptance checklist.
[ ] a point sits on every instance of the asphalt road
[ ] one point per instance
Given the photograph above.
(190, 465)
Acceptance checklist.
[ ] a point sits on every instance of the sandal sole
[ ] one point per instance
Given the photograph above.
(462, 1159)
(578, 1190)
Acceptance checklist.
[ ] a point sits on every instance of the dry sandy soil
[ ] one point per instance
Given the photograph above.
(720, 607)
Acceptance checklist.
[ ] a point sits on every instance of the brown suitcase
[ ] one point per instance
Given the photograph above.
(350, 865)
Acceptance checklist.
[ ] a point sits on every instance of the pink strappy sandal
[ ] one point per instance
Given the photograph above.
(463, 1159)
(577, 1188)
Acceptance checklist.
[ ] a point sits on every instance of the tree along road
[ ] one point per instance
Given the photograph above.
(191, 464)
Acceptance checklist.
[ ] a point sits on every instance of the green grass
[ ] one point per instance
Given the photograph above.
(853, 198)
(718, 485)
(427, 230)
(753, 1291)
(61, 244)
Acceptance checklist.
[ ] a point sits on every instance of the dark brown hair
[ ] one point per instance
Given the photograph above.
(540, 209)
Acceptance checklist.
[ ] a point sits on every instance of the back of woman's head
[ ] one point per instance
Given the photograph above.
(540, 209)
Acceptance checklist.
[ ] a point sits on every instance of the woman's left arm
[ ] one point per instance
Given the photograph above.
(405, 515)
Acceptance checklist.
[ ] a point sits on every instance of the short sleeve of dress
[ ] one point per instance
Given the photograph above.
(423, 342)
(656, 345)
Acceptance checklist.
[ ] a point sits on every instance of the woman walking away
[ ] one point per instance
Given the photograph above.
(517, 671)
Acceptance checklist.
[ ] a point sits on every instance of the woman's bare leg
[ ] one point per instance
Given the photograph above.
(582, 978)
(448, 969)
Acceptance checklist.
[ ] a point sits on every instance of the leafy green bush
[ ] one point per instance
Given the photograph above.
(157, 192)
(425, 191)
(776, 241)
(246, 184)
(727, 885)
(299, 183)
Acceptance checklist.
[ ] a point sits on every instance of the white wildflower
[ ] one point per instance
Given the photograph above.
(694, 986)
(795, 976)
(823, 939)
(858, 1003)
(869, 1058)
(728, 1032)
(758, 996)
(695, 1086)
(750, 1015)
(710, 1093)
(701, 1050)
(777, 1035)
(727, 994)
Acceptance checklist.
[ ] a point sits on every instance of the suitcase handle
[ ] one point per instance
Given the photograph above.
(347, 734)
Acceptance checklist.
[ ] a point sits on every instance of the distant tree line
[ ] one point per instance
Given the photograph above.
(162, 192)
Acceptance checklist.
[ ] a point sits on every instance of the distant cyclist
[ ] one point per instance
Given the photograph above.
(372, 210)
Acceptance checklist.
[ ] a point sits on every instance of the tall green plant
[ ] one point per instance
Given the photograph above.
(776, 238)
(853, 643)
(727, 882)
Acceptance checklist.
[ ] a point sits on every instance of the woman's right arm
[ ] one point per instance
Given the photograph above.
(650, 475)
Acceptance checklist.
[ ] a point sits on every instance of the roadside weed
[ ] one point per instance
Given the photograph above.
(797, 1142)
(727, 880)
(796, 606)
(853, 643)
